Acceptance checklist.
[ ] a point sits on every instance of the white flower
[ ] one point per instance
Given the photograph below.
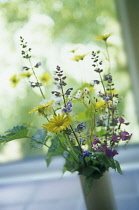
(86, 90)
(57, 101)
(115, 101)
(103, 117)
(44, 101)
(95, 146)
(78, 94)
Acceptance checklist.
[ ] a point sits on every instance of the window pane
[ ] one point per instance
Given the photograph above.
(52, 29)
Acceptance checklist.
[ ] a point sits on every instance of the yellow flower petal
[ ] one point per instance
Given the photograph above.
(78, 57)
(103, 37)
(43, 109)
(100, 104)
(14, 80)
(45, 78)
(57, 123)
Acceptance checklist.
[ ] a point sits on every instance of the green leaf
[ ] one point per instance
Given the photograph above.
(87, 171)
(71, 165)
(56, 149)
(87, 185)
(109, 162)
(38, 139)
(51, 151)
(17, 132)
(118, 167)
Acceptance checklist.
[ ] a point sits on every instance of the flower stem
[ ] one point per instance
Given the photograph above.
(36, 78)
(108, 56)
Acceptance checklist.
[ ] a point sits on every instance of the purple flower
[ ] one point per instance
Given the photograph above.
(98, 70)
(35, 84)
(106, 98)
(115, 138)
(99, 122)
(96, 140)
(107, 77)
(56, 93)
(68, 91)
(86, 153)
(125, 135)
(82, 140)
(38, 64)
(121, 120)
(111, 153)
(81, 126)
(67, 108)
(95, 82)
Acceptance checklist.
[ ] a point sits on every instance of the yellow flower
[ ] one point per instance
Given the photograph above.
(58, 123)
(73, 51)
(100, 104)
(103, 37)
(43, 109)
(78, 57)
(14, 80)
(45, 78)
(26, 74)
(112, 92)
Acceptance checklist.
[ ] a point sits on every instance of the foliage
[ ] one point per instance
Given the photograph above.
(72, 19)
(89, 142)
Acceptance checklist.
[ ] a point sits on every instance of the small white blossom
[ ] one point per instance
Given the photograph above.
(95, 146)
(103, 117)
(86, 90)
(78, 94)
(115, 101)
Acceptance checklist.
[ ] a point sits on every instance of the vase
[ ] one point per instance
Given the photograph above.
(100, 196)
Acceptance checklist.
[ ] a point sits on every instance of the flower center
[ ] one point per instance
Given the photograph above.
(59, 123)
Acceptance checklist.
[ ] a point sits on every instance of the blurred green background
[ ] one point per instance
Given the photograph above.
(53, 28)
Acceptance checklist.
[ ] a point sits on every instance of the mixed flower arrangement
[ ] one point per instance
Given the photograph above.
(86, 139)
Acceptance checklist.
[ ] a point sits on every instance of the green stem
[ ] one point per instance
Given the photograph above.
(36, 78)
(108, 56)
(102, 83)
(70, 125)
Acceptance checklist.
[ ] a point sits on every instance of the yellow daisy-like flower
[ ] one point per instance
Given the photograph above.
(57, 123)
(43, 109)
(100, 104)
(14, 80)
(26, 74)
(78, 57)
(45, 78)
(103, 37)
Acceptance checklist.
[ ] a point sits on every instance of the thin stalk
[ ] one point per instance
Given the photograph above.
(70, 125)
(71, 149)
(36, 78)
(108, 56)
(102, 83)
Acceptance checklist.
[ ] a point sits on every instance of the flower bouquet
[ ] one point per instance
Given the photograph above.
(82, 125)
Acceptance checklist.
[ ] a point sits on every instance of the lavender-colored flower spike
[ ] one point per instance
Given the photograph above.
(67, 108)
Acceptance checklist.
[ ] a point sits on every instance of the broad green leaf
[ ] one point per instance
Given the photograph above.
(51, 151)
(17, 132)
(87, 185)
(118, 167)
(56, 149)
(38, 139)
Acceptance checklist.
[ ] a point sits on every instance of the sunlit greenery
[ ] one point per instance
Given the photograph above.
(53, 29)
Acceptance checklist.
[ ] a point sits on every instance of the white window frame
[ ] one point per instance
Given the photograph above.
(128, 13)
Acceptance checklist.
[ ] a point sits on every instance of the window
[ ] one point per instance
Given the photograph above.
(52, 29)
